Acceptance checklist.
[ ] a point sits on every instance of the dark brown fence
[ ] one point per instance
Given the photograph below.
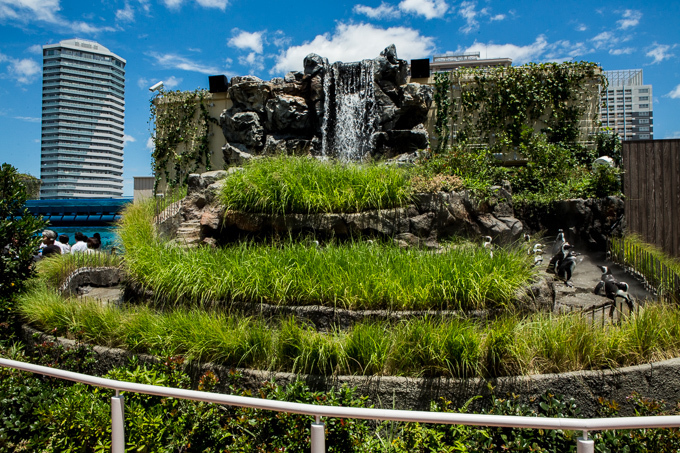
(652, 192)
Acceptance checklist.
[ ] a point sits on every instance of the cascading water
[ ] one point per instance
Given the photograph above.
(350, 114)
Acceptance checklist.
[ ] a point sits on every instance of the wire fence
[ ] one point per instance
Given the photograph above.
(654, 274)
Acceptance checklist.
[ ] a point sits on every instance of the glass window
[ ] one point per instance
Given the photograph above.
(643, 90)
(643, 136)
(644, 106)
(643, 98)
(643, 121)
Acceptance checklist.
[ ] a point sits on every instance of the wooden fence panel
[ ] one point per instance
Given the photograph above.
(652, 192)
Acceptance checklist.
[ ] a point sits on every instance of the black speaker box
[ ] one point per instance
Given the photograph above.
(218, 83)
(420, 68)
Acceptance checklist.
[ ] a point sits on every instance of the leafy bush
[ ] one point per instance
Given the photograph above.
(19, 241)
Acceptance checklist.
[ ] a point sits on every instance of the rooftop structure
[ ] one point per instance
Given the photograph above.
(83, 115)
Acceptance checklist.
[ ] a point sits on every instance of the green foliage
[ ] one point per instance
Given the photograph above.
(287, 185)
(19, 241)
(549, 98)
(180, 129)
(57, 268)
(32, 185)
(443, 108)
(608, 143)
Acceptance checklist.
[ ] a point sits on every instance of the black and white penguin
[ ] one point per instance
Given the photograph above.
(488, 245)
(613, 288)
(566, 267)
(558, 257)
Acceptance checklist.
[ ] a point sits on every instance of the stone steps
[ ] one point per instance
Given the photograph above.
(188, 234)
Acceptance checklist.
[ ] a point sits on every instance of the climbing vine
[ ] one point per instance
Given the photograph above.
(494, 106)
(443, 103)
(180, 129)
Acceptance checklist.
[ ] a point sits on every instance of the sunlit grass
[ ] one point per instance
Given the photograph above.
(418, 347)
(284, 185)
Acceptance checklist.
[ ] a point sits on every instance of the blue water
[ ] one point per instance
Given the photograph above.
(108, 234)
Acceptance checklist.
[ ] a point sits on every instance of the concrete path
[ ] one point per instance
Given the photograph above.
(586, 276)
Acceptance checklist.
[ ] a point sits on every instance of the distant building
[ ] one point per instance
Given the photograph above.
(627, 105)
(83, 116)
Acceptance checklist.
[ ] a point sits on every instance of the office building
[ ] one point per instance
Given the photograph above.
(83, 115)
(627, 105)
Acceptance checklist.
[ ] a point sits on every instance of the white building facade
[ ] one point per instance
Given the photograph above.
(627, 105)
(83, 118)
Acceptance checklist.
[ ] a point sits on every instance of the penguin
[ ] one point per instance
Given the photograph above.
(558, 257)
(566, 267)
(488, 245)
(559, 241)
(613, 289)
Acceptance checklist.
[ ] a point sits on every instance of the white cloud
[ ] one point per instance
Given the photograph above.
(36, 49)
(128, 139)
(384, 11)
(253, 60)
(173, 61)
(245, 40)
(604, 40)
(630, 19)
(660, 52)
(126, 14)
(149, 143)
(497, 17)
(219, 4)
(172, 82)
(176, 4)
(581, 27)
(519, 54)
(675, 93)
(624, 51)
(143, 83)
(354, 42)
(429, 9)
(45, 11)
(468, 12)
(24, 70)
(29, 119)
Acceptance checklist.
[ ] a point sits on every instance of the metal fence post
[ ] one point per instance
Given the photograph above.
(318, 436)
(585, 445)
(117, 423)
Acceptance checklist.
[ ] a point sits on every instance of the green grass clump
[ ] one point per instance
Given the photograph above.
(286, 185)
(356, 275)
(419, 347)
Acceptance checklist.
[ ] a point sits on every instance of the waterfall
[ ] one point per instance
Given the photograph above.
(350, 114)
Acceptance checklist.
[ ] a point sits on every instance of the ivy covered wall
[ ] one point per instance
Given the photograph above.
(183, 126)
(503, 107)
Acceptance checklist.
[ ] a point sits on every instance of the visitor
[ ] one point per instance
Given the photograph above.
(97, 237)
(92, 245)
(81, 243)
(63, 244)
(48, 246)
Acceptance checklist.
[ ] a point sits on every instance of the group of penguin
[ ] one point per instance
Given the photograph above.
(563, 263)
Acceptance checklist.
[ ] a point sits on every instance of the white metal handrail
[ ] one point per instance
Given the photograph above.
(584, 444)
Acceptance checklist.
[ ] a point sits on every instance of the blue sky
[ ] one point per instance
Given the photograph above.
(182, 42)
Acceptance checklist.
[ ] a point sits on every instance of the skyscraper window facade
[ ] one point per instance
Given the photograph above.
(627, 105)
(83, 118)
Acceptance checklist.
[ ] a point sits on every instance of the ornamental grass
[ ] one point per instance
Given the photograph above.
(353, 275)
(417, 347)
(302, 185)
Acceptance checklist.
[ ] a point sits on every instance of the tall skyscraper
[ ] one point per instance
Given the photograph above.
(83, 116)
(627, 105)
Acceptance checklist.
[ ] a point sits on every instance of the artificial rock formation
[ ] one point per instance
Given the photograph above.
(431, 217)
(352, 111)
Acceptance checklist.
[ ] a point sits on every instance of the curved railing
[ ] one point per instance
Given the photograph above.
(584, 445)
